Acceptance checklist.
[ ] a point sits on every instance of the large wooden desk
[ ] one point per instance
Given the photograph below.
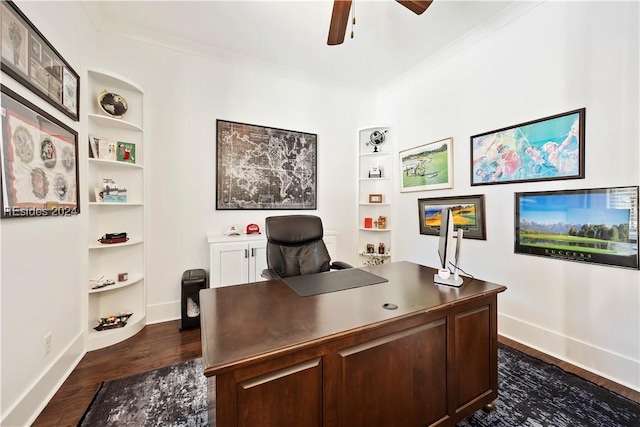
(341, 359)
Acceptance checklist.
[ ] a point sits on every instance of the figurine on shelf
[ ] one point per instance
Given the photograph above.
(376, 138)
(382, 222)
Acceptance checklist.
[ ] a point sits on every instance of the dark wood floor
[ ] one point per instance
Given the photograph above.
(164, 344)
(157, 345)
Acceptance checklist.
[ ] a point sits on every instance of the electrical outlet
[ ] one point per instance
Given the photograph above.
(47, 344)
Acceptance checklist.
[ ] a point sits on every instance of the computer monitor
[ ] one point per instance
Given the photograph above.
(445, 243)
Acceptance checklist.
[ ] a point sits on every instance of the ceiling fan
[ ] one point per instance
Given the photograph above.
(340, 16)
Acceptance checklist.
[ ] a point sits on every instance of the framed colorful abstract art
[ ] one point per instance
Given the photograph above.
(546, 149)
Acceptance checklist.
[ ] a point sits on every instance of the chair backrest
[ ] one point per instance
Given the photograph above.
(295, 246)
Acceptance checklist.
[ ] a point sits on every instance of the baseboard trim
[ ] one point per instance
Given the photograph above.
(25, 411)
(604, 363)
(164, 312)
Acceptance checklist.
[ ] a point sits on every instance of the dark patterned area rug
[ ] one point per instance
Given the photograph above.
(532, 393)
(171, 396)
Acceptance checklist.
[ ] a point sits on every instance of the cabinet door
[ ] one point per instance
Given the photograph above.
(474, 373)
(258, 260)
(289, 395)
(396, 380)
(229, 264)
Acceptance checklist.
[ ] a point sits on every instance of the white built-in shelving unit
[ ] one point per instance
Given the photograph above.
(380, 188)
(109, 260)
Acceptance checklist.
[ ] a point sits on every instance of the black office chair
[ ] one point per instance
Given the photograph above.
(295, 247)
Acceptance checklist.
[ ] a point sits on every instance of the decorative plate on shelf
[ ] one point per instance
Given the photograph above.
(113, 104)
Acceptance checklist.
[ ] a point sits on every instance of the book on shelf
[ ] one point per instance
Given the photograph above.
(126, 152)
(94, 142)
(112, 192)
(106, 148)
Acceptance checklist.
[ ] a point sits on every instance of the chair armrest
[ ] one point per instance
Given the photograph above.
(340, 265)
(269, 274)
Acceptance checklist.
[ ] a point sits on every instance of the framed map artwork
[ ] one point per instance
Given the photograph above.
(261, 167)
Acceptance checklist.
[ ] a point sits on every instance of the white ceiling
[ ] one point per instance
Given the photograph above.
(389, 39)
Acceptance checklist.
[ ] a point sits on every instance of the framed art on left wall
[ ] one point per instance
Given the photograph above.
(39, 161)
(28, 57)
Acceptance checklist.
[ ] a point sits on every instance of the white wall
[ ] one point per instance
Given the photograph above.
(43, 259)
(557, 57)
(186, 92)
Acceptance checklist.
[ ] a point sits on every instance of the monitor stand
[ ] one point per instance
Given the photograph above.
(444, 276)
(448, 279)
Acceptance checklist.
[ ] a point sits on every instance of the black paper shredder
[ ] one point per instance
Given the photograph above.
(192, 282)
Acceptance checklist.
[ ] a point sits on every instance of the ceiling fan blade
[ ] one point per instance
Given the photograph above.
(339, 20)
(416, 6)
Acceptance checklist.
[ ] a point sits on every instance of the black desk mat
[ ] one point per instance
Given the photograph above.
(331, 281)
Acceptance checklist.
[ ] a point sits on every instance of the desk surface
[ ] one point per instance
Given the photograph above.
(251, 322)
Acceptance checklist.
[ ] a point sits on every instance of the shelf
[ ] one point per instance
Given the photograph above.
(377, 230)
(116, 204)
(119, 285)
(131, 242)
(374, 255)
(100, 339)
(114, 163)
(379, 153)
(111, 79)
(375, 179)
(112, 122)
(375, 204)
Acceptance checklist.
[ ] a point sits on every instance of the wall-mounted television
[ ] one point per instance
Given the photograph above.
(598, 225)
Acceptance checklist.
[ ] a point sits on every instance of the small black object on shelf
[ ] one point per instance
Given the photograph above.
(110, 238)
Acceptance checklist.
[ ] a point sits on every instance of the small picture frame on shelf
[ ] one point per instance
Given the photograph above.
(371, 249)
(98, 194)
(93, 146)
(375, 198)
(106, 148)
(375, 172)
(113, 192)
(126, 152)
